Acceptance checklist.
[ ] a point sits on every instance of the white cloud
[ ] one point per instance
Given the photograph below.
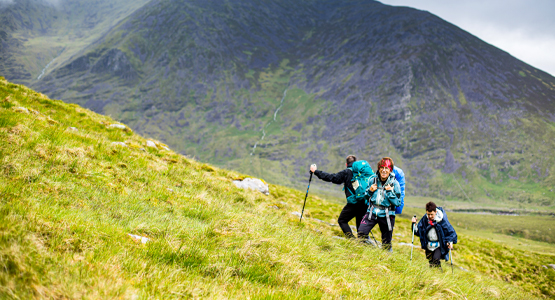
(533, 49)
(53, 2)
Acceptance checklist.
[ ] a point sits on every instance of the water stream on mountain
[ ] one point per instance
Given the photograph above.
(264, 128)
(48, 65)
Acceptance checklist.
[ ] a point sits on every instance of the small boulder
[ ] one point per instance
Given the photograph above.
(151, 144)
(122, 144)
(21, 110)
(254, 184)
(119, 126)
(72, 129)
(139, 238)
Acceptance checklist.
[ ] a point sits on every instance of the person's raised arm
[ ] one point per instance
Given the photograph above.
(337, 178)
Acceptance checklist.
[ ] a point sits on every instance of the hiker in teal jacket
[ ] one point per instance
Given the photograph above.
(384, 196)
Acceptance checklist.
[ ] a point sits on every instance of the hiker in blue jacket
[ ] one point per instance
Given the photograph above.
(384, 195)
(437, 236)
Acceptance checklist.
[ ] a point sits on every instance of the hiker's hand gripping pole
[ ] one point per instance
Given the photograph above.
(412, 241)
(309, 180)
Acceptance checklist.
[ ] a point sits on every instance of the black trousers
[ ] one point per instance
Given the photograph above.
(368, 222)
(349, 212)
(434, 257)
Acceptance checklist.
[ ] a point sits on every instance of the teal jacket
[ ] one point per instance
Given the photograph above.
(390, 199)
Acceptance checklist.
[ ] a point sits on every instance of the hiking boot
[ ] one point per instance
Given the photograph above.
(349, 235)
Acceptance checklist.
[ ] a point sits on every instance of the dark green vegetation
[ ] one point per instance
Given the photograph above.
(208, 78)
(69, 198)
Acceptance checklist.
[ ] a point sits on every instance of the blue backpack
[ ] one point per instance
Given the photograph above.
(400, 177)
(361, 174)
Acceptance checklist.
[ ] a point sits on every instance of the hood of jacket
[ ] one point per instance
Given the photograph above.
(439, 216)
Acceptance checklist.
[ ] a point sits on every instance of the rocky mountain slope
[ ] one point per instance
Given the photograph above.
(38, 35)
(268, 88)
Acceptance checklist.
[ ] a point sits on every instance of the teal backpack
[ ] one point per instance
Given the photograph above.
(361, 174)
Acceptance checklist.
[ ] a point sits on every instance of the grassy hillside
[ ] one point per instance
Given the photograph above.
(69, 199)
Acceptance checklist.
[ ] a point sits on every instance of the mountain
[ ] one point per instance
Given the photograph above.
(39, 35)
(269, 87)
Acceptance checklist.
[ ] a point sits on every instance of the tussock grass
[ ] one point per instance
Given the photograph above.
(69, 199)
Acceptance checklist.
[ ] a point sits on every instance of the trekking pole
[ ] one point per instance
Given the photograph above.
(412, 241)
(376, 242)
(309, 180)
(451, 258)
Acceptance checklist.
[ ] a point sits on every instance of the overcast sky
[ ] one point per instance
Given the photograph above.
(525, 29)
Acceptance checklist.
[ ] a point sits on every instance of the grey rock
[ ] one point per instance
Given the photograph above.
(21, 109)
(72, 129)
(122, 144)
(151, 144)
(254, 184)
(119, 126)
(139, 238)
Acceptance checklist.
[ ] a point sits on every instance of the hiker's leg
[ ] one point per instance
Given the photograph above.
(361, 210)
(346, 215)
(386, 234)
(429, 257)
(368, 222)
(434, 258)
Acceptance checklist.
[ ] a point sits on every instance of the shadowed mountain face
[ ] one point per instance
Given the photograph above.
(268, 87)
(37, 36)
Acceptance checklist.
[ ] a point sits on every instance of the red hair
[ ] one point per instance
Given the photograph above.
(386, 162)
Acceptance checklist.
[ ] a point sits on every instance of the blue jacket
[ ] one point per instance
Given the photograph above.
(400, 177)
(445, 233)
(391, 198)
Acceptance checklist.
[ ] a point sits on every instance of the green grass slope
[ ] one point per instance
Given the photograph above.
(69, 199)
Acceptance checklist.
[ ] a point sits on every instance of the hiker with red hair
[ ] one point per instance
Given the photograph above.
(384, 195)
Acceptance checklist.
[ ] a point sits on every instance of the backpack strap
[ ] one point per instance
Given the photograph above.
(387, 218)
